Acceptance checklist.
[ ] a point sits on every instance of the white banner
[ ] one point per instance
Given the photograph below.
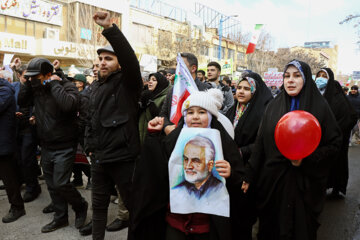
(14, 43)
(36, 10)
(56, 48)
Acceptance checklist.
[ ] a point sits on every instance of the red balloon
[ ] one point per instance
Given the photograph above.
(297, 134)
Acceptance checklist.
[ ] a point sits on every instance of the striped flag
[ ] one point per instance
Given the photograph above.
(184, 85)
(254, 39)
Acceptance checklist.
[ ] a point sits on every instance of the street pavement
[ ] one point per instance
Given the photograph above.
(339, 221)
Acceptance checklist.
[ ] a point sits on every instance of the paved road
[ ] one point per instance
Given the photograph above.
(339, 221)
(29, 226)
(340, 218)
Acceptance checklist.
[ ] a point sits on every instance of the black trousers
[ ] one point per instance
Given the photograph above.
(80, 168)
(57, 168)
(27, 160)
(104, 176)
(11, 181)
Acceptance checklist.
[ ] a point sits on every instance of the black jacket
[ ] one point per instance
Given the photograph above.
(355, 101)
(56, 105)
(7, 118)
(166, 108)
(114, 105)
(346, 118)
(151, 181)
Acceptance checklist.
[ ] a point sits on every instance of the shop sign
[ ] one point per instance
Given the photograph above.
(17, 43)
(67, 49)
(36, 10)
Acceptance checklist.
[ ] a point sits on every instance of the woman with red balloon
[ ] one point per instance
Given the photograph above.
(293, 155)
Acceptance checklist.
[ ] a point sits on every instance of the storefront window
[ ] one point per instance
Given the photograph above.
(2, 23)
(15, 25)
(30, 28)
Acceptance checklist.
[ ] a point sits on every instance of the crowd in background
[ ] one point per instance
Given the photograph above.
(112, 124)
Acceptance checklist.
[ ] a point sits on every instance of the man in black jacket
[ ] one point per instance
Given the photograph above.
(56, 103)
(7, 149)
(113, 110)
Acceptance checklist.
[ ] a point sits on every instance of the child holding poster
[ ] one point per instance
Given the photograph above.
(178, 177)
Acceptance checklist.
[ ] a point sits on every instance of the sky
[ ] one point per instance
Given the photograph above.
(293, 22)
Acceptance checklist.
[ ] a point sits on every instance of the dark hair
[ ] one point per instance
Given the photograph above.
(191, 58)
(354, 87)
(202, 72)
(227, 80)
(163, 72)
(22, 69)
(214, 64)
(171, 70)
(345, 88)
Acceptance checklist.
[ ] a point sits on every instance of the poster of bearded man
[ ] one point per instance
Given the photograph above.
(195, 184)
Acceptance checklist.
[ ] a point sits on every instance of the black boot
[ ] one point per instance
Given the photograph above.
(80, 216)
(86, 230)
(31, 196)
(49, 208)
(13, 215)
(117, 225)
(54, 225)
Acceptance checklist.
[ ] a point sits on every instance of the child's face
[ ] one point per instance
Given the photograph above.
(197, 117)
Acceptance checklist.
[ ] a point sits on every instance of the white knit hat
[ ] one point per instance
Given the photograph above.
(211, 100)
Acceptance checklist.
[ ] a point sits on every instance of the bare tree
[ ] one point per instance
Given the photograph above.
(356, 19)
(285, 55)
(263, 57)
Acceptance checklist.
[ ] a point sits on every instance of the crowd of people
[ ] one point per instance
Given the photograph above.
(113, 124)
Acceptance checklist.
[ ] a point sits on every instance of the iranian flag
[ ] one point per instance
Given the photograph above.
(184, 85)
(254, 39)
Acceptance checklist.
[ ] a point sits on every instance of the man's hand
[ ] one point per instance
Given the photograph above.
(156, 124)
(56, 64)
(55, 77)
(32, 120)
(169, 129)
(19, 114)
(16, 63)
(245, 186)
(223, 167)
(296, 163)
(102, 19)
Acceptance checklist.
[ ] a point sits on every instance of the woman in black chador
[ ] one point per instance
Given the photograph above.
(252, 96)
(291, 193)
(346, 118)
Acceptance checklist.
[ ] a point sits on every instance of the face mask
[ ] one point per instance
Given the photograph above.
(321, 82)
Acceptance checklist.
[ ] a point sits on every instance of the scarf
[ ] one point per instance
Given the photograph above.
(240, 109)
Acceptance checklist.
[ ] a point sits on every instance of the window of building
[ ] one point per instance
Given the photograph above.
(240, 56)
(2, 23)
(164, 38)
(231, 53)
(142, 34)
(15, 25)
(216, 52)
(204, 50)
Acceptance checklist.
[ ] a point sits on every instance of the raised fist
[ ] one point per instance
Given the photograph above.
(102, 19)
(56, 64)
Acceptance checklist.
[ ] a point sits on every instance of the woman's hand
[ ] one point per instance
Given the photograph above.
(296, 163)
(156, 124)
(245, 186)
(223, 167)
